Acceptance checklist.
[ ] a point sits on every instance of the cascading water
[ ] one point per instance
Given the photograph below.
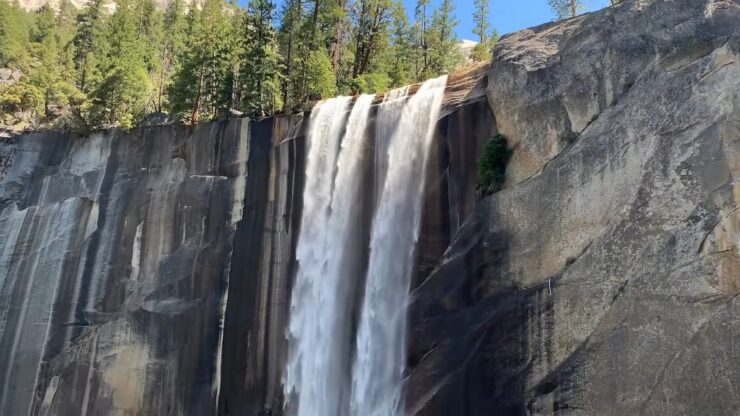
(317, 376)
(330, 372)
(386, 121)
(380, 356)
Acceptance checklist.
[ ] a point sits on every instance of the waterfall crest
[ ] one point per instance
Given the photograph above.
(331, 370)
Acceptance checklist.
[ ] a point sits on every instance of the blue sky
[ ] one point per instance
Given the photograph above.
(506, 15)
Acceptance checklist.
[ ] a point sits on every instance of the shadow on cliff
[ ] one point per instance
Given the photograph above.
(473, 331)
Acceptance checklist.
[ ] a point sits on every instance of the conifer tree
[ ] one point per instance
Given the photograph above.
(14, 35)
(400, 54)
(444, 53)
(293, 49)
(482, 51)
(566, 8)
(320, 79)
(53, 72)
(260, 78)
(422, 55)
(197, 91)
(372, 18)
(122, 96)
(171, 47)
(90, 45)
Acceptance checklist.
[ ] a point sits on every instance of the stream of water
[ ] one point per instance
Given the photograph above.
(340, 362)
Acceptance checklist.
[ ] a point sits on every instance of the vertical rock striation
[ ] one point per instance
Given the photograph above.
(113, 269)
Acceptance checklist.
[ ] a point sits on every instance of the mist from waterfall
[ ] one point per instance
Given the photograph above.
(340, 364)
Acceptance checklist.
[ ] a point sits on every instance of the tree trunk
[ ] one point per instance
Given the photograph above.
(314, 43)
(196, 103)
(336, 43)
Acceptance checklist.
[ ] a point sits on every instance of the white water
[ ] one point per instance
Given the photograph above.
(386, 121)
(317, 377)
(380, 356)
(330, 372)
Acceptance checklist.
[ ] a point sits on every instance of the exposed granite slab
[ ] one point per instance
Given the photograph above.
(603, 280)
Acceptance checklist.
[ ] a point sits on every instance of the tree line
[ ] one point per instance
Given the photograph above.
(571, 8)
(112, 62)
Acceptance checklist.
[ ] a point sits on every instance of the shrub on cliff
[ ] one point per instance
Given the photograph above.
(492, 165)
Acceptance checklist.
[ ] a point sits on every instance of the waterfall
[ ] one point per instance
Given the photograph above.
(317, 374)
(389, 113)
(330, 371)
(380, 356)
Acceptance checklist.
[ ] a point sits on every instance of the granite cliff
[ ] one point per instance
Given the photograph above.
(148, 272)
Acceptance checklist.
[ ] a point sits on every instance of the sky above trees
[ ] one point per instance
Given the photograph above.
(509, 15)
(506, 15)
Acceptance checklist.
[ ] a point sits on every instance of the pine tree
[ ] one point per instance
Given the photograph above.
(151, 36)
(422, 52)
(260, 80)
(401, 52)
(320, 79)
(122, 96)
(293, 49)
(90, 45)
(480, 18)
(372, 18)
(186, 82)
(444, 53)
(566, 8)
(14, 35)
(197, 91)
(482, 51)
(170, 48)
(53, 72)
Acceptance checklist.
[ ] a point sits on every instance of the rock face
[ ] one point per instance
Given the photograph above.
(604, 278)
(150, 272)
(113, 267)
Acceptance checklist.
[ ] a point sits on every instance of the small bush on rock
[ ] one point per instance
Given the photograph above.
(492, 165)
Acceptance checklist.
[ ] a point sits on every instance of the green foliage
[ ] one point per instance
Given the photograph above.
(90, 45)
(372, 83)
(21, 96)
(170, 48)
(199, 89)
(109, 66)
(567, 8)
(320, 79)
(400, 54)
(482, 51)
(260, 85)
(121, 98)
(14, 35)
(438, 51)
(492, 165)
(480, 17)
